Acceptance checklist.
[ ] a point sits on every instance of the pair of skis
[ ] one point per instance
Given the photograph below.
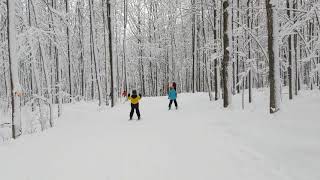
(135, 119)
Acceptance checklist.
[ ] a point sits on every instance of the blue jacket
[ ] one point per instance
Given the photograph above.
(172, 95)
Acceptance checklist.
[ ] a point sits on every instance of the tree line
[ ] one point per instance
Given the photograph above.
(54, 52)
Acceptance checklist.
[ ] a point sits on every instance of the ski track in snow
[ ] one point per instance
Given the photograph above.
(200, 141)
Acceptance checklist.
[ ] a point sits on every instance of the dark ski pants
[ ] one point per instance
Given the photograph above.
(175, 103)
(134, 107)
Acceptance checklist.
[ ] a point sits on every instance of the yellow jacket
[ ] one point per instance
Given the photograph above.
(134, 100)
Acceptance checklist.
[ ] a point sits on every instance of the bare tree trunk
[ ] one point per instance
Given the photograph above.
(93, 52)
(273, 48)
(205, 58)
(105, 51)
(125, 16)
(249, 52)
(13, 65)
(82, 60)
(227, 49)
(216, 82)
(69, 55)
(194, 46)
(290, 74)
(110, 53)
(58, 74)
(141, 67)
(44, 63)
(237, 62)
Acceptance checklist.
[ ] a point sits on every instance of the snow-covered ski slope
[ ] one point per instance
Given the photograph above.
(200, 141)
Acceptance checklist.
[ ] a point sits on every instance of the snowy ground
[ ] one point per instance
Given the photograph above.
(200, 141)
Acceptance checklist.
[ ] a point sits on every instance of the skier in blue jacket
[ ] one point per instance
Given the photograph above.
(172, 96)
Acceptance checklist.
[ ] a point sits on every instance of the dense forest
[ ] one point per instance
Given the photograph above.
(54, 52)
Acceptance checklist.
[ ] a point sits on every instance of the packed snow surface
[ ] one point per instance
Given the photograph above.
(200, 141)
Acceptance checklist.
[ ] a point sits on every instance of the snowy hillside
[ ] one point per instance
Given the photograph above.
(200, 141)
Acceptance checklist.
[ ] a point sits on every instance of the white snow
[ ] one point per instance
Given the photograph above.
(200, 141)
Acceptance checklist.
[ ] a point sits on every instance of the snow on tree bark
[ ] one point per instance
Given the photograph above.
(274, 59)
(93, 52)
(14, 68)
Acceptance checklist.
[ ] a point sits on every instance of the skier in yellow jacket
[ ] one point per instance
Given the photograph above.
(134, 99)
